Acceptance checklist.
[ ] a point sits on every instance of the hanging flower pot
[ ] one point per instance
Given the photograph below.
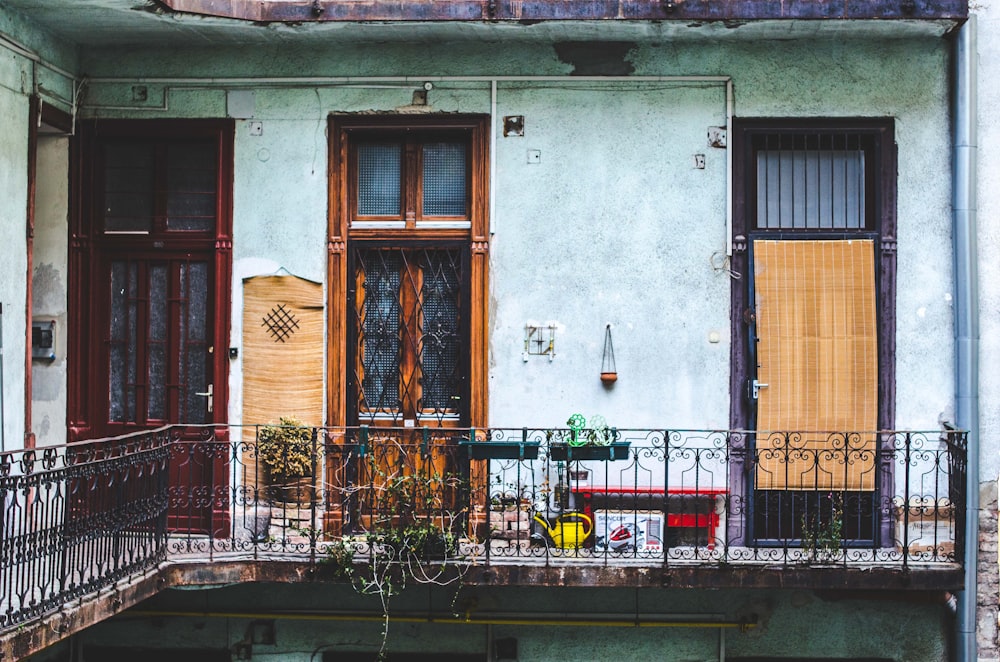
(609, 372)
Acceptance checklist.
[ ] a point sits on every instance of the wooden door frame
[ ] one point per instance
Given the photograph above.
(83, 403)
(83, 406)
(338, 354)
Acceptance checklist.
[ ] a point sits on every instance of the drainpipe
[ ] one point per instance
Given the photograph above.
(966, 316)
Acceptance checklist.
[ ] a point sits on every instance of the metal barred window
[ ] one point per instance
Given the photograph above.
(812, 181)
(407, 304)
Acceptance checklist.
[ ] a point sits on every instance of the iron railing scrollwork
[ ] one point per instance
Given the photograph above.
(79, 518)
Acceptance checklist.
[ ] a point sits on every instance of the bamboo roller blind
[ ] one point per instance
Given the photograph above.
(282, 352)
(817, 351)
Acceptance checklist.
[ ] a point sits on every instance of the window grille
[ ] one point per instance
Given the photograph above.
(811, 182)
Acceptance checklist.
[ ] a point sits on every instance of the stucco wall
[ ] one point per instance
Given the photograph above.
(20, 77)
(790, 624)
(14, 77)
(614, 224)
(49, 286)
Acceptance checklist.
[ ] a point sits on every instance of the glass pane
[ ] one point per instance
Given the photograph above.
(122, 332)
(128, 188)
(156, 345)
(444, 179)
(191, 187)
(379, 342)
(440, 347)
(810, 189)
(194, 348)
(379, 174)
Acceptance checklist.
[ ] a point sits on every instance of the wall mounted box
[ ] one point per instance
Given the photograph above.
(43, 340)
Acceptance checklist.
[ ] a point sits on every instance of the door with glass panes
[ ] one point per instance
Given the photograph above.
(156, 207)
(413, 214)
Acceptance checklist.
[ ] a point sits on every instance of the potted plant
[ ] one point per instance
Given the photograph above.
(285, 450)
(582, 442)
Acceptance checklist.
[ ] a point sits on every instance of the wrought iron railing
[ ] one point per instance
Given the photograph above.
(81, 517)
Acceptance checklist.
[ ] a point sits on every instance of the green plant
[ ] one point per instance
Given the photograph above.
(823, 532)
(285, 449)
(411, 535)
(412, 520)
(580, 433)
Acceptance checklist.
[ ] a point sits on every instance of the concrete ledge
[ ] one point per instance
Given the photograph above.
(885, 582)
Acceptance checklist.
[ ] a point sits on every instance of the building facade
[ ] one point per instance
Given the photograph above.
(458, 217)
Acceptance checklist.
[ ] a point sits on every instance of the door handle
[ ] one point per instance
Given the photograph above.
(755, 387)
(210, 394)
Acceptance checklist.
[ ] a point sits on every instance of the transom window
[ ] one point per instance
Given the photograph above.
(813, 181)
(153, 186)
(411, 181)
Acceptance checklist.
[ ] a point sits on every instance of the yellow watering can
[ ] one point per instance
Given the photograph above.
(570, 529)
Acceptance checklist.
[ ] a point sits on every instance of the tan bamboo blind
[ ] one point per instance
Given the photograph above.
(282, 351)
(817, 352)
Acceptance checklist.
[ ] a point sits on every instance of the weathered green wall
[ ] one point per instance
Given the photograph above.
(792, 624)
(614, 225)
(14, 71)
(20, 77)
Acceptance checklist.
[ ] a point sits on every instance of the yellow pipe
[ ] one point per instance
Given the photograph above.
(449, 620)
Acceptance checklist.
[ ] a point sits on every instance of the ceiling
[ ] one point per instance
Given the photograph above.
(116, 23)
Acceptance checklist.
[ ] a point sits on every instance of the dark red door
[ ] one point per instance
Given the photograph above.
(151, 254)
(157, 366)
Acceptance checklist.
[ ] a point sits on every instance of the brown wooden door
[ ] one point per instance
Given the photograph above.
(409, 333)
(409, 336)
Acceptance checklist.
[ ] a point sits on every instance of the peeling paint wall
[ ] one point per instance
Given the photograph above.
(19, 79)
(613, 224)
(15, 77)
(49, 287)
(789, 624)
(600, 216)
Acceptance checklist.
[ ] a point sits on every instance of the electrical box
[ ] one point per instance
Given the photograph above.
(43, 340)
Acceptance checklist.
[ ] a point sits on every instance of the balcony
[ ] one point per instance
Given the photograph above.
(685, 508)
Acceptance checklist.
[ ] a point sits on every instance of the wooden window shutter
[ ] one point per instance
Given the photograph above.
(817, 351)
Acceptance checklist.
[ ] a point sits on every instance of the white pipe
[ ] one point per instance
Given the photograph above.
(313, 81)
(964, 237)
(22, 50)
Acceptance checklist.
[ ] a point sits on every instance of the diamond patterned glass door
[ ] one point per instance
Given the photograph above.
(409, 335)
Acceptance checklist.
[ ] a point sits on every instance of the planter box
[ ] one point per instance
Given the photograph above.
(614, 451)
(500, 450)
